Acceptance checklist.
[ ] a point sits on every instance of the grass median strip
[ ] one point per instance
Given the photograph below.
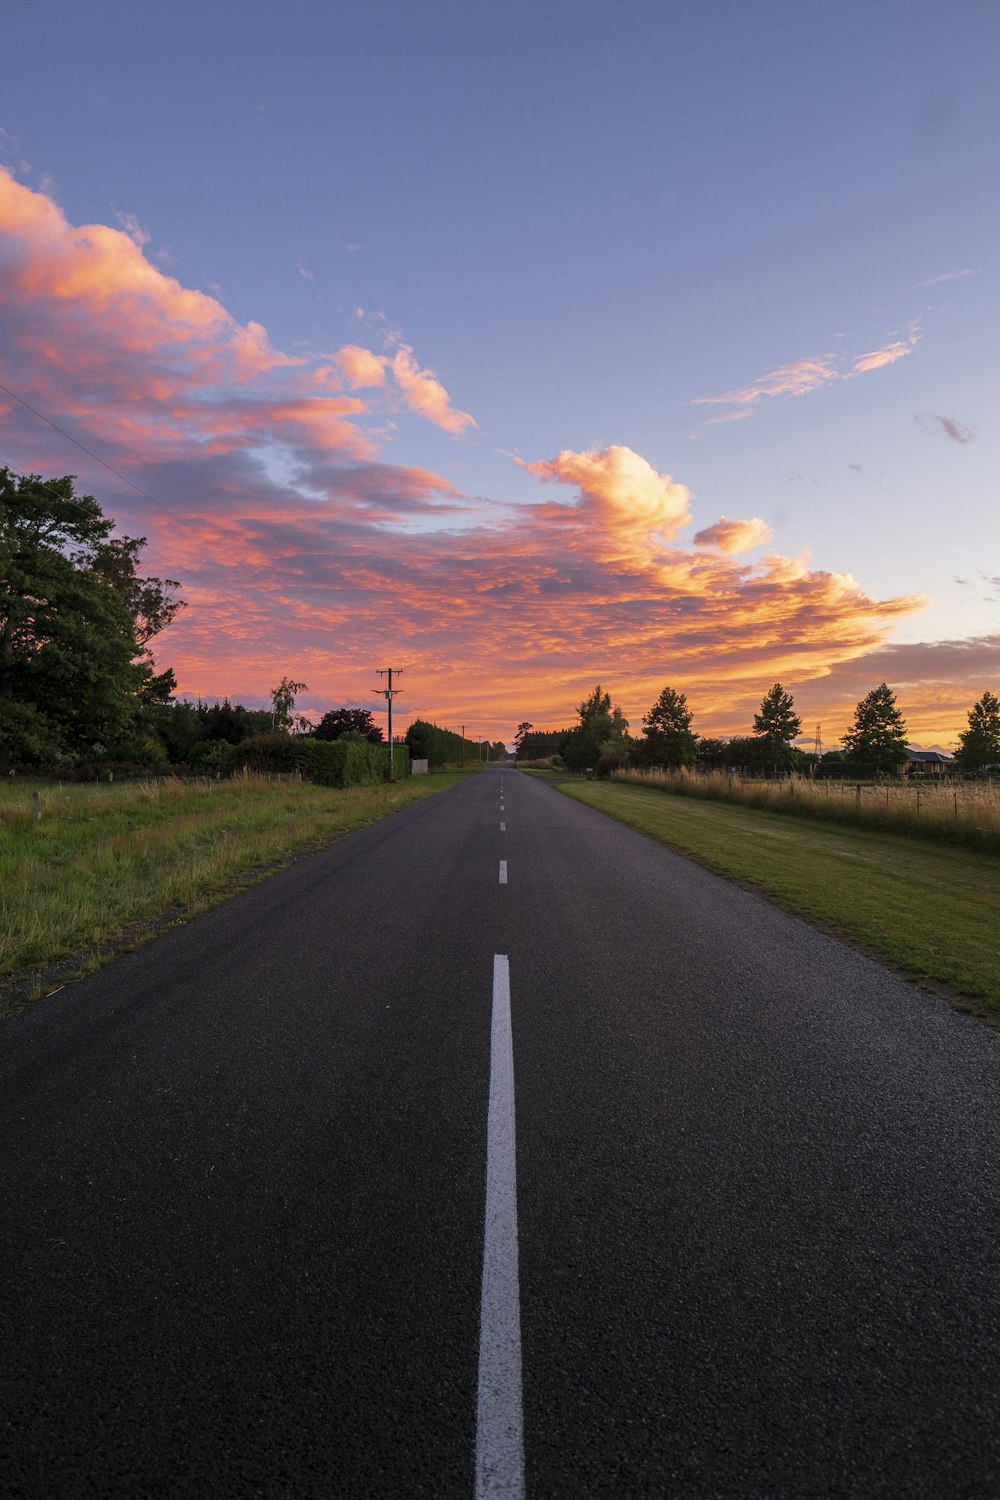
(81, 867)
(932, 910)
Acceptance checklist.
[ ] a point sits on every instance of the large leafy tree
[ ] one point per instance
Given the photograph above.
(76, 620)
(774, 727)
(669, 740)
(357, 722)
(877, 738)
(979, 745)
(601, 732)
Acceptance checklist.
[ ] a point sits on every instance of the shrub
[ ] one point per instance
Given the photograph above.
(266, 753)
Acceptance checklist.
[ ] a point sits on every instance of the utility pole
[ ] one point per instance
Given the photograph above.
(388, 693)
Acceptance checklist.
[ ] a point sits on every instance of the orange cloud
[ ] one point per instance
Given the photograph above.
(302, 554)
(734, 536)
(630, 500)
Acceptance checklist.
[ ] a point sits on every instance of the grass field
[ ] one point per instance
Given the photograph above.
(932, 910)
(957, 812)
(95, 864)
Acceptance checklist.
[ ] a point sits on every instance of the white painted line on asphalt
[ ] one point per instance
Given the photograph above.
(503, 827)
(503, 872)
(499, 1415)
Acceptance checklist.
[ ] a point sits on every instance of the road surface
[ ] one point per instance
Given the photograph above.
(496, 1151)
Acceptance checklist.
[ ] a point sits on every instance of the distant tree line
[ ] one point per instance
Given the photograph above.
(874, 745)
(442, 747)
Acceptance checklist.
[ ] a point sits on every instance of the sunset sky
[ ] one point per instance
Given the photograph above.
(524, 346)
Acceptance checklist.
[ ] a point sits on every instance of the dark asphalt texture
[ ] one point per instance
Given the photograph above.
(242, 1184)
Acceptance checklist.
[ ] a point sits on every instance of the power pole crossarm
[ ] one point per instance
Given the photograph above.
(388, 693)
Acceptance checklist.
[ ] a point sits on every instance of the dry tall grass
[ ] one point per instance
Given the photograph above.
(966, 812)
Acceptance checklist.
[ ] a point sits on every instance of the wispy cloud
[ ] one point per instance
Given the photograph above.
(888, 354)
(937, 426)
(796, 379)
(135, 231)
(803, 376)
(948, 276)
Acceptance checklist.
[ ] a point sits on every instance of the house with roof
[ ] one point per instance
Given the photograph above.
(933, 762)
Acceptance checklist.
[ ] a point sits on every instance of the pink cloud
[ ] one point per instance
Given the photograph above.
(300, 552)
(424, 393)
(361, 367)
(878, 358)
(796, 379)
(803, 376)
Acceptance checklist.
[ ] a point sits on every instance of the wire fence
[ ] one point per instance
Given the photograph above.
(965, 812)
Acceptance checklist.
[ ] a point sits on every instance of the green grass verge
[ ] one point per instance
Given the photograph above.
(103, 865)
(931, 910)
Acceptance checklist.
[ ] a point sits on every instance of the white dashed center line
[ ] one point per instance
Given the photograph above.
(499, 1412)
(503, 872)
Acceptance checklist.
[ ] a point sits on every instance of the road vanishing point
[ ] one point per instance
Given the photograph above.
(497, 1151)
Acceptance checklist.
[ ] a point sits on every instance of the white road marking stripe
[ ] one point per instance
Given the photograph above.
(503, 872)
(499, 1416)
(503, 827)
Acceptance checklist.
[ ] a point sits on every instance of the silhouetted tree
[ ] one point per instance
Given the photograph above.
(877, 737)
(667, 730)
(343, 721)
(774, 727)
(979, 745)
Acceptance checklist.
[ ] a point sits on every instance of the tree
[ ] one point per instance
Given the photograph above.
(878, 736)
(283, 703)
(667, 727)
(774, 727)
(979, 745)
(340, 722)
(539, 743)
(600, 735)
(75, 624)
(522, 729)
(711, 753)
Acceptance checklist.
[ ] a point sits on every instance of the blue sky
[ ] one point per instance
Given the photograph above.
(582, 219)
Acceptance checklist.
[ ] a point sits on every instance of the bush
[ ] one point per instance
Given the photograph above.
(346, 762)
(266, 753)
(211, 755)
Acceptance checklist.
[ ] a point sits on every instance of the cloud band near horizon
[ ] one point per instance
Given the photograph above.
(313, 556)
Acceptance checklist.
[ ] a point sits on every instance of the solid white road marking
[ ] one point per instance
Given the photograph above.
(499, 1415)
(503, 827)
(503, 872)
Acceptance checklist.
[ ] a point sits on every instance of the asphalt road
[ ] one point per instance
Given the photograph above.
(243, 1189)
